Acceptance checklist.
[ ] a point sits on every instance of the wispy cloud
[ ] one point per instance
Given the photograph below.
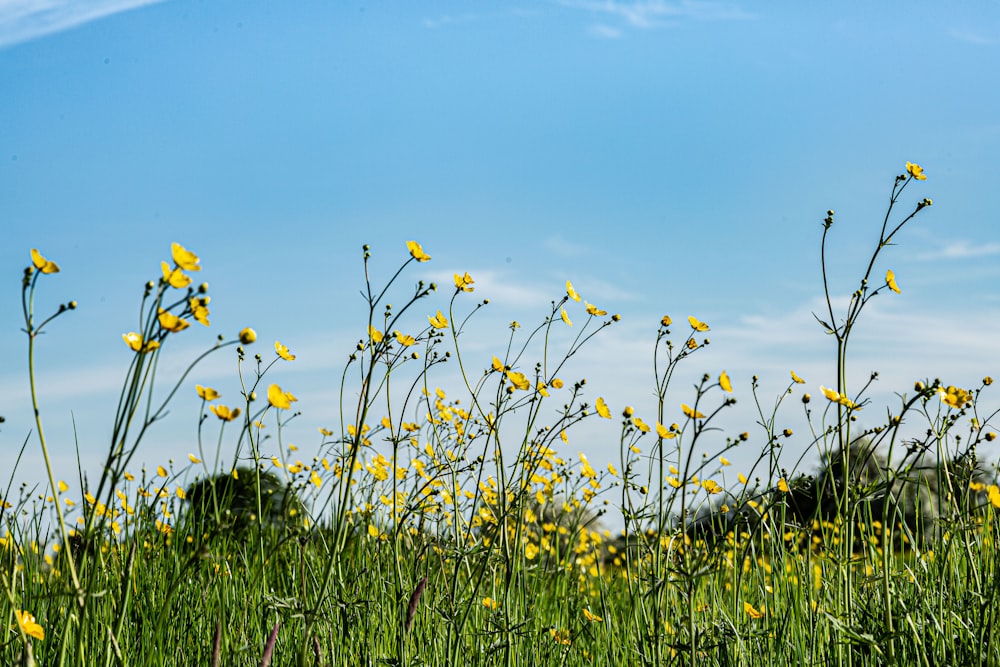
(962, 249)
(647, 14)
(23, 20)
(972, 36)
(445, 20)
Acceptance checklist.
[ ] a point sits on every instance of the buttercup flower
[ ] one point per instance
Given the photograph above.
(283, 352)
(248, 336)
(565, 317)
(171, 322)
(135, 342)
(224, 413)
(602, 408)
(184, 258)
(439, 321)
(464, 282)
(696, 325)
(206, 393)
(725, 383)
(278, 398)
(594, 310)
(916, 171)
(175, 277)
(571, 293)
(690, 412)
(417, 252)
(796, 379)
(42, 264)
(890, 281)
(199, 309)
(27, 620)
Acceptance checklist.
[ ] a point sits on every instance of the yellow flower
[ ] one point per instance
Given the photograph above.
(417, 252)
(404, 340)
(134, 341)
(193, 458)
(530, 550)
(666, 321)
(994, 494)
(248, 336)
(594, 310)
(782, 485)
(42, 264)
(753, 613)
(796, 379)
(63, 487)
(161, 471)
(199, 309)
(725, 383)
(28, 624)
(184, 258)
(374, 334)
(565, 317)
(641, 425)
(206, 393)
(491, 604)
(175, 277)
(724, 461)
(171, 322)
(916, 171)
(696, 325)
(519, 380)
(224, 413)
(316, 479)
(690, 412)
(283, 352)
(954, 397)
(561, 636)
(592, 618)
(464, 283)
(664, 432)
(556, 383)
(498, 365)
(890, 281)
(181, 493)
(571, 293)
(691, 343)
(836, 397)
(602, 408)
(711, 486)
(278, 398)
(540, 388)
(439, 321)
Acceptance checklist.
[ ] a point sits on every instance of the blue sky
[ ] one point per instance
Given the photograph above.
(667, 157)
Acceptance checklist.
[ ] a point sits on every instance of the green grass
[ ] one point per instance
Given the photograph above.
(467, 538)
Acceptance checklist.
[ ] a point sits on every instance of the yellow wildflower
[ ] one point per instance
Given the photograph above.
(28, 624)
(890, 281)
(464, 283)
(42, 264)
(206, 393)
(248, 336)
(565, 317)
(725, 383)
(417, 252)
(278, 398)
(184, 258)
(283, 352)
(439, 321)
(571, 293)
(697, 325)
(916, 171)
(602, 408)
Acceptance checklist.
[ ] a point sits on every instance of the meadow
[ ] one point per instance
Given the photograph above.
(452, 526)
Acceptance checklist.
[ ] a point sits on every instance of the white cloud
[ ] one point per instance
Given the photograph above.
(23, 20)
(647, 14)
(604, 31)
(970, 36)
(961, 250)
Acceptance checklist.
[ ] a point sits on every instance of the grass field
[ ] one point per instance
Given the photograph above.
(469, 537)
